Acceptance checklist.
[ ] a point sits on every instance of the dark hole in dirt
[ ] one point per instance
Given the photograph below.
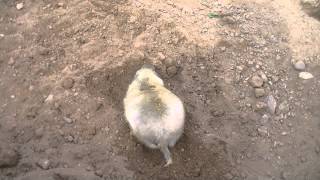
(112, 83)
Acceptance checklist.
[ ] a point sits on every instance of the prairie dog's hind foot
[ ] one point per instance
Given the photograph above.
(167, 155)
(169, 162)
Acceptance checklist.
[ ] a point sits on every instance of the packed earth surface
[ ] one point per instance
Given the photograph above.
(248, 73)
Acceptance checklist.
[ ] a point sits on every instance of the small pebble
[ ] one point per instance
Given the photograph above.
(303, 159)
(259, 92)
(284, 175)
(275, 78)
(261, 105)
(284, 107)
(300, 66)
(98, 173)
(39, 132)
(169, 62)
(68, 120)
(69, 138)
(172, 70)
(49, 98)
(256, 81)
(263, 131)
(11, 61)
(60, 4)
(272, 104)
(263, 76)
(317, 150)
(265, 119)
(161, 56)
(68, 83)
(44, 164)
(19, 6)
(305, 75)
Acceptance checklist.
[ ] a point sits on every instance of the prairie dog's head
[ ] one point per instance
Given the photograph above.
(147, 73)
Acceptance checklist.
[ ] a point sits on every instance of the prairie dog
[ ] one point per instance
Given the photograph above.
(155, 115)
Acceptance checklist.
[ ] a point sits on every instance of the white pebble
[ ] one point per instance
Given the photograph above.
(305, 75)
(19, 6)
(49, 98)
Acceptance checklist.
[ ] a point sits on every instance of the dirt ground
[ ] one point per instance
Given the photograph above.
(65, 67)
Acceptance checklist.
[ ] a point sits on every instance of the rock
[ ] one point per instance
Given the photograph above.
(256, 81)
(172, 70)
(44, 164)
(11, 61)
(8, 157)
(272, 104)
(1, 35)
(284, 107)
(68, 120)
(222, 48)
(299, 65)
(305, 75)
(259, 92)
(19, 6)
(49, 98)
(68, 83)
(263, 131)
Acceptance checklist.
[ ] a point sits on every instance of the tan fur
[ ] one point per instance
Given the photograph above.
(154, 114)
